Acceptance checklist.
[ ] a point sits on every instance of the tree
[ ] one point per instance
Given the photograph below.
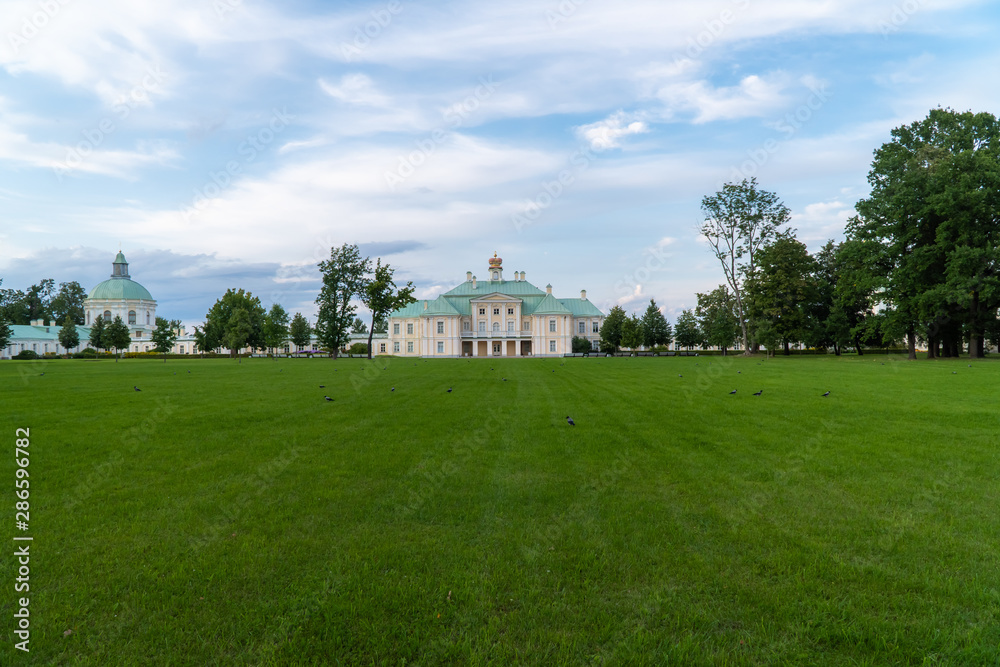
(382, 297)
(580, 345)
(38, 300)
(782, 292)
(97, 334)
(117, 335)
(343, 280)
(217, 320)
(381, 325)
(6, 333)
(717, 319)
(165, 335)
(275, 327)
(739, 221)
(68, 302)
(69, 337)
(611, 330)
(632, 332)
(655, 328)
(359, 326)
(238, 332)
(299, 331)
(686, 332)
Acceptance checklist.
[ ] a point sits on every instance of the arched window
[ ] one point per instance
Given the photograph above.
(496, 276)
(107, 315)
(147, 317)
(496, 326)
(131, 317)
(88, 318)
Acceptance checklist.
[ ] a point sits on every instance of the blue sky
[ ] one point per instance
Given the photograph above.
(229, 143)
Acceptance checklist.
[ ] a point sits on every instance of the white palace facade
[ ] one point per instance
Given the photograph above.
(492, 318)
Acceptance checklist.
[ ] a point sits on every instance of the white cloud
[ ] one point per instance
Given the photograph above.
(606, 133)
(356, 89)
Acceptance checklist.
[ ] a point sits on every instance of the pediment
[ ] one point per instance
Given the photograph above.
(496, 296)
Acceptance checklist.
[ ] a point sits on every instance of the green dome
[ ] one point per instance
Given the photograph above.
(119, 288)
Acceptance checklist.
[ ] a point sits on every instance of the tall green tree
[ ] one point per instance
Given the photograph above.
(611, 330)
(632, 332)
(97, 334)
(69, 337)
(782, 292)
(382, 296)
(343, 281)
(686, 332)
(740, 221)
(717, 319)
(299, 331)
(68, 303)
(6, 332)
(117, 336)
(165, 335)
(38, 300)
(655, 328)
(217, 320)
(275, 327)
(359, 326)
(239, 329)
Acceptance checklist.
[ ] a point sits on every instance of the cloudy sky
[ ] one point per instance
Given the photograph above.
(232, 143)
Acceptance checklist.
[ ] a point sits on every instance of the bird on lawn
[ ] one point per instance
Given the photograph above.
(328, 398)
(827, 394)
(732, 392)
(758, 393)
(679, 375)
(449, 390)
(41, 374)
(739, 372)
(569, 420)
(322, 386)
(136, 388)
(954, 373)
(393, 389)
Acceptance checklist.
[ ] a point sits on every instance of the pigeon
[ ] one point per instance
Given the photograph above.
(189, 372)
(322, 386)
(136, 388)
(449, 390)
(393, 389)
(733, 391)
(739, 372)
(41, 374)
(679, 375)
(758, 393)
(569, 420)
(504, 379)
(328, 398)
(954, 373)
(827, 394)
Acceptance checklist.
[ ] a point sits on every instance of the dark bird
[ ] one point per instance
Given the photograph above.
(827, 394)
(136, 388)
(393, 389)
(504, 379)
(569, 420)
(383, 368)
(449, 390)
(41, 374)
(733, 391)
(679, 375)
(553, 370)
(189, 371)
(739, 372)
(328, 398)
(322, 386)
(758, 393)
(954, 373)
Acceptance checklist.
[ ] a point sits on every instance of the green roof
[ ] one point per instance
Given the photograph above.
(120, 258)
(550, 306)
(581, 308)
(484, 287)
(119, 288)
(534, 301)
(22, 331)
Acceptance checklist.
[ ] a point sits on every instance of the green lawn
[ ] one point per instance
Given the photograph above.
(230, 515)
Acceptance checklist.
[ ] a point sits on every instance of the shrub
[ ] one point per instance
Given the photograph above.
(86, 353)
(26, 354)
(580, 345)
(359, 348)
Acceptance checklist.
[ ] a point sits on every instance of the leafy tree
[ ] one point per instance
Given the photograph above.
(612, 329)
(117, 336)
(38, 300)
(381, 325)
(359, 326)
(382, 297)
(238, 332)
(299, 331)
(6, 333)
(68, 302)
(343, 280)
(740, 220)
(275, 327)
(97, 334)
(782, 291)
(632, 332)
(69, 337)
(655, 328)
(216, 329)
(686, 331)
(165, 335)
(580, 345)
(717, 319)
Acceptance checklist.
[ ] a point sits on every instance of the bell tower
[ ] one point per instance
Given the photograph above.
(496, 268)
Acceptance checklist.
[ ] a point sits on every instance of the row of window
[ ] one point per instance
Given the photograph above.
(596, 328)
(131, 317)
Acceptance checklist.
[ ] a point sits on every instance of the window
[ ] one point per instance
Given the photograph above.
(409, 346)
(440, 326)
(131, 317)
(510, 311)
(45, 348)
(147, 317)
(381, 347)
(496, 326)
(440, 347)
(527, 325)
(181, 349)
(597, 327)
(482, 327)
(583, 327)
(552, 325)
(107, 315)
(409, 329)
(496, 311)
(147, 348)
(395, 329)
(510, 325)
(482, 311)
(34, 347)
(395, 346)
(552, 346)
(496, 276)
(595, 344)
(88, 319)
(465, 325)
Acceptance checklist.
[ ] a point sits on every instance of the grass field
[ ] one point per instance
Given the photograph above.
(228, 515)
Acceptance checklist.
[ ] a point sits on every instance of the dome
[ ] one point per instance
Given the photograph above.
(118, 289)
(495, 261)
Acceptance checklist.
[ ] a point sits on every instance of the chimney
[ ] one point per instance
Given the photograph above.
(468, 276)
(473, 282)
(548, 288)
(522, 275)
(583, 295)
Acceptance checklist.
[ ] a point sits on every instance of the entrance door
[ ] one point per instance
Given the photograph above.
(496, 349)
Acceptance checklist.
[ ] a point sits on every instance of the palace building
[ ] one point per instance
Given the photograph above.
(493, 317)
